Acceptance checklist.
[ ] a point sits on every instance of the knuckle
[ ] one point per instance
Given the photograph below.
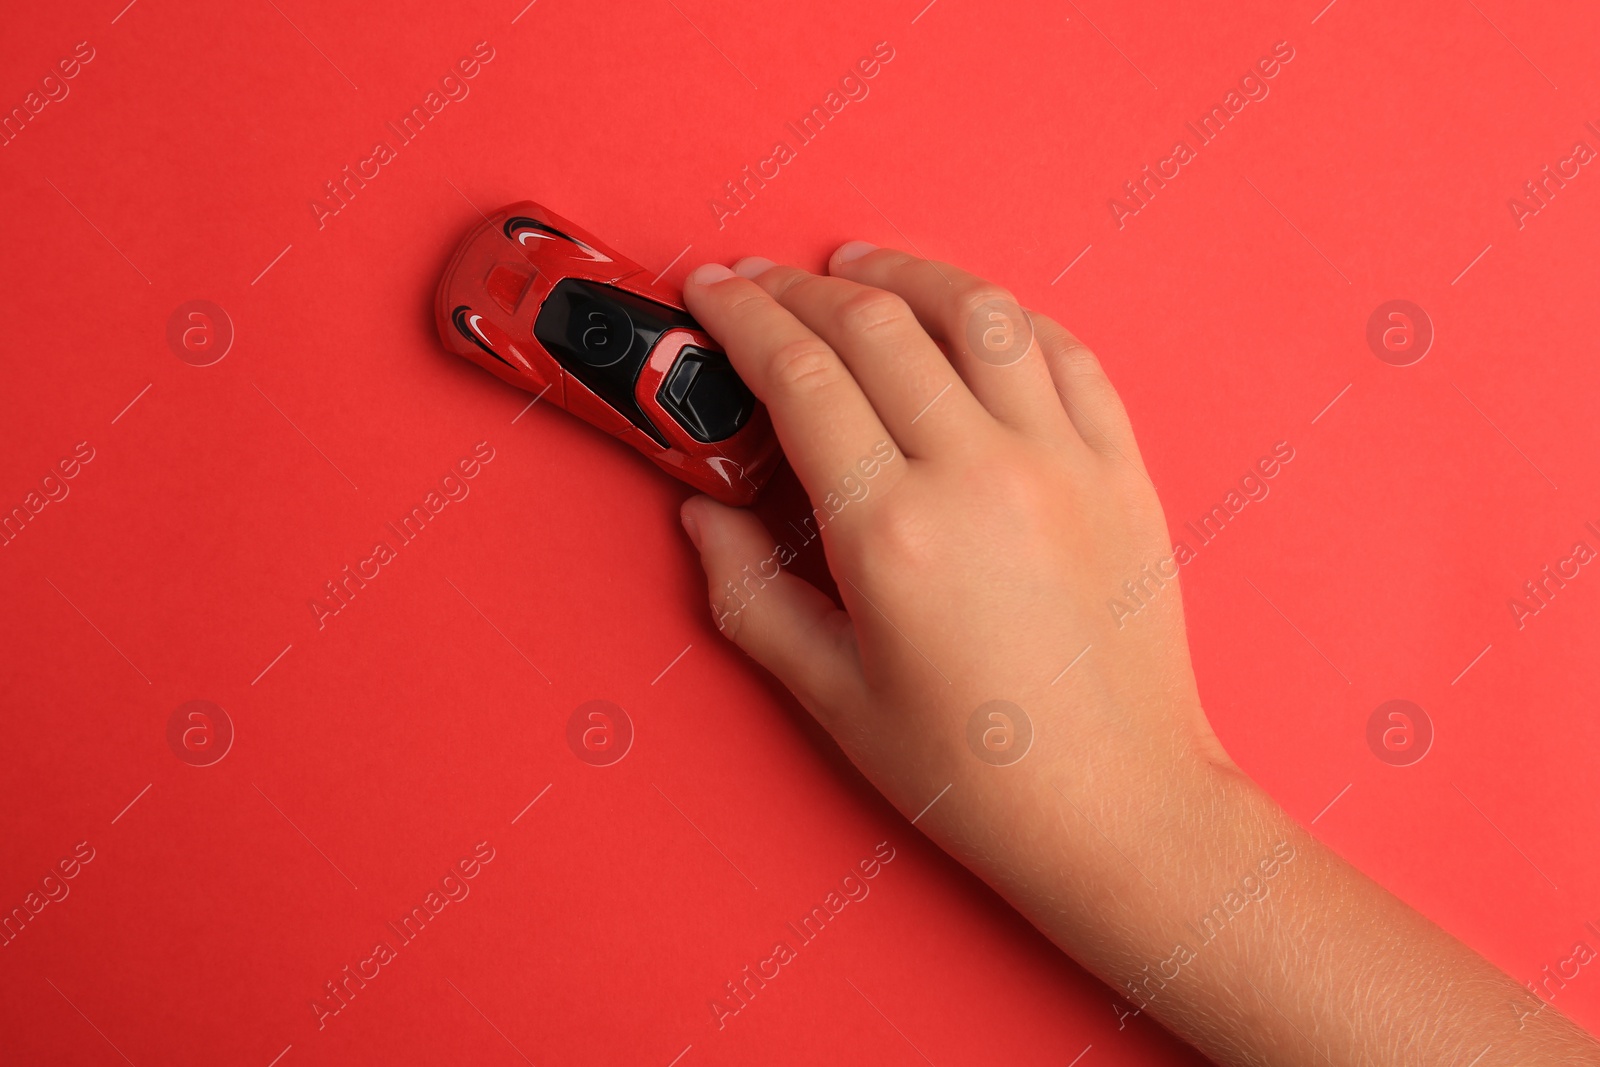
(803, 365)
(897, 536)
(749, 301)
(977, 297)
(894, 261)
(873, 311)
(1077, 360)
(1064, 348)
(1004, 487)
(727, 620)
(780, 279)
(880, 262)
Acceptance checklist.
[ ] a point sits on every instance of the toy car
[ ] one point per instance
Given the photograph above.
(544, 305)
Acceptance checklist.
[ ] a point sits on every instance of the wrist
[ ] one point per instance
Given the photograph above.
(1133, 877)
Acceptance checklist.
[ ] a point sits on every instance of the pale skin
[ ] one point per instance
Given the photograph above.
(977, 567)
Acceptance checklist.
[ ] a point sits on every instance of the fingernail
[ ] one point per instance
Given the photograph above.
(852, 250)
(709, 274)
(690, 527)
(753, 266)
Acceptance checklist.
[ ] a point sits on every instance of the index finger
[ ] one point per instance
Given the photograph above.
(827, 427)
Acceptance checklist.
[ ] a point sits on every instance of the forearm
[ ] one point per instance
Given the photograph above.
(1205, 906)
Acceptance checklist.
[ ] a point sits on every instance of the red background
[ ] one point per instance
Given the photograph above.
(1230, 311)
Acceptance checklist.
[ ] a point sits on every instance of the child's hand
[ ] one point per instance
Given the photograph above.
(982, 504)
(976, 563)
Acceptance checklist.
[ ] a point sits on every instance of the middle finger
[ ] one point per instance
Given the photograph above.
(911, 385)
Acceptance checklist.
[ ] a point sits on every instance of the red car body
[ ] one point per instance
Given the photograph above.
(544, 305)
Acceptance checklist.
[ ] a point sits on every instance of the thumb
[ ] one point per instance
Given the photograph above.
(785, 623)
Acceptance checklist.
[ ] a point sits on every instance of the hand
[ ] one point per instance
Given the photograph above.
(990, 505)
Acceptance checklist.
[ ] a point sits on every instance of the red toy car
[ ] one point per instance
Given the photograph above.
(546, 306)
